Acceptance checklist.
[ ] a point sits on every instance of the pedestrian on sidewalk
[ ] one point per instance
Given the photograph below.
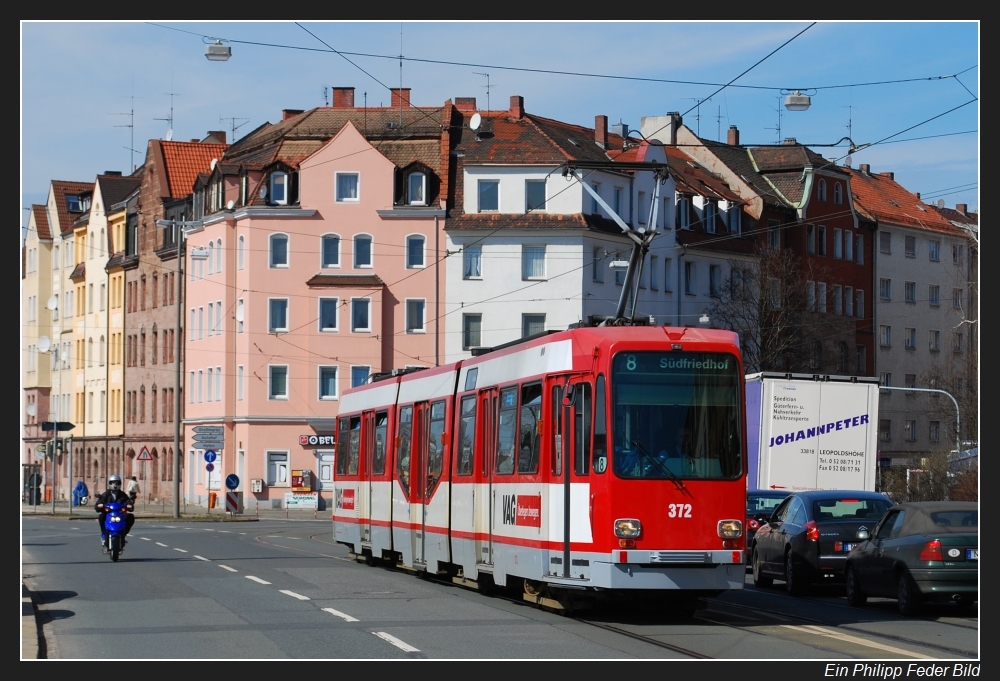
(132, 488)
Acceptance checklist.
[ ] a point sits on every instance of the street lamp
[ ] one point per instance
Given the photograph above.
(181, 229)
(218, 52)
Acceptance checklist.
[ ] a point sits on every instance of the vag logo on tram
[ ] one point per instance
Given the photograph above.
(345, 499)
(522, 509)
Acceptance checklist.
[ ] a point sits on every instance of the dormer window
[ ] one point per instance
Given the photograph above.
(416, 189)
(73, 203)
(838, 194)
(821, 190)
(244, 189)
(85, 203)
(278, 188)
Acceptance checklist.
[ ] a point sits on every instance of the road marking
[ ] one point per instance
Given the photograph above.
(226, 531)
(829, 633)
(242, 532)
(74, 528)
(172, 527)
(256, 579)
(208, 529)
(226, 567)
(163, 545)
(181, 550)
(200, 558)
(341, 615)
(402, 645)
(294, 595)
(144, 538)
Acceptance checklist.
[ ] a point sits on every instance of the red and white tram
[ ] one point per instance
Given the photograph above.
(609, 458)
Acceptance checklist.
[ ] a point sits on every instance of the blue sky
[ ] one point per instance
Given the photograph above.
(77, 78)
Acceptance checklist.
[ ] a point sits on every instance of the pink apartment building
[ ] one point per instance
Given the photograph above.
(318, 265)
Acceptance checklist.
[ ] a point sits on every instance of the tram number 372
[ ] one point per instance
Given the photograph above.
(679, 511)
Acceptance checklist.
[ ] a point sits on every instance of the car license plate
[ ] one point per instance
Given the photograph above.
(972, 554)
(848, 547)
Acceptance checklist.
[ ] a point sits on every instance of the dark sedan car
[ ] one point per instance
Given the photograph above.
(809, 535)
(919, 551)
(760, 505)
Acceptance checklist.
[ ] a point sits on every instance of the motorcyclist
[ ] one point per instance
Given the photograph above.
(115, 493)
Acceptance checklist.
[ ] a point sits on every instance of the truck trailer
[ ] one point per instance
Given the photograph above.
(807, 432)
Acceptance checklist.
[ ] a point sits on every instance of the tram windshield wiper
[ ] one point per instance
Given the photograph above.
(658, 464)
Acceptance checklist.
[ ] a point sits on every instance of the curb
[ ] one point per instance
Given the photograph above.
(30, 630)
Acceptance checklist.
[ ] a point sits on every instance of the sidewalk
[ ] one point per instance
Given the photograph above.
(164, 513)
(29, 626)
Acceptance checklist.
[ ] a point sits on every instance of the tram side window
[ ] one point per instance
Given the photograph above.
(583, 430)
(403, 449)
(507, 431)
(340, 456)
(557, 434)
(531, 413)
(435, 448)
(381, 423)
(355, 446)
(466, 435)
(600, 427)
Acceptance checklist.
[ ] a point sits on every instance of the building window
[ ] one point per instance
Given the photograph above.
(910, 291)
(472, 331)
(958, 342)
(956, 298)
(934, 431)
(859, 249)
(838, 193)
(328, 314)
(773, 235)
(362, 251)
(689, 278)
(910, 338)
(597, 262)
(885, 289)
(957, 253)
(885, 242)
(821, 190)
(239, 315)
(239, 383)
(816, 356)
(327, 383)
(885, 430)
(910, 246)
(810, 294)
(859, 304)
(849, 301)
(472, 262)
(861, 358)
(277, 315)
(359, 375)
(821, 240)
(811, 239)
(532, 324)
(885, 336)
(360, 321)
(642, 208)
(617, 201)
(347, 187)
(838, 303)
(279, 250)
(934, 295)
(848, 245)
(489, 196)
(821, 297)
(667, 269)
(325, 465)
(277, 382)
(533, 262)
(414, 252)
(211, 374)
(934, 340)
(201, 327)
(654, 273)
(415, 315)
(331, 251)
(910, 430)
(277, 469)
(595, 208)
(735, 214)
(211, 314)
(711, 210)
(416, 189)
(241, 252)
(714, 280)
(683, 220)
(534, 195)
(838, 243)
(278, 188)
(843, 359)
(934, 250)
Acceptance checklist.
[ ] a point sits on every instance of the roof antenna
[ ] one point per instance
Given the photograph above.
(169, 119)
(400, 75)
(131, 126)
(488, 86)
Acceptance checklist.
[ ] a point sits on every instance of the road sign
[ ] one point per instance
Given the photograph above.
(49, 426)
(214, 430)
(210, 456)
(209, 467)
(144, 455)
(206, 446)
(233, 502)
(40, 448)
(232, 481)
(206, 437)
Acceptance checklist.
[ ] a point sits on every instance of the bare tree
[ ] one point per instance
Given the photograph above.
(775, 304)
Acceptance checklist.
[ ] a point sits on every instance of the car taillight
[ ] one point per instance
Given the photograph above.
(812, 531)
(932, 551)
(752, 524)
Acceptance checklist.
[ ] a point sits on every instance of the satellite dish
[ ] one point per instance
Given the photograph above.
(475, 122)
(229, 206)
(239, 313)
(214, 163)
(44, 344)
(263, 191)
(848, 161)
(30, 409)
(52, 303)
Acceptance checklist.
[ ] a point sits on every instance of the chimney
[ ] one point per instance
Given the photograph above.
(661, 128)
(733, 137)
(962, 208)
(288, 113)
(601, 131)
(620, 129)
(219, 137)
(790, 141)
(516, 107)
(112, 173)
(865, 168)
(888, 175)
(465, 103)
(400, 97)
(343, 97)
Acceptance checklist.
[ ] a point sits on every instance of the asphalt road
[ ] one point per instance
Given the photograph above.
(280, 589)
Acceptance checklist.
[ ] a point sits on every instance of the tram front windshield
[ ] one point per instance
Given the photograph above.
(676, 415)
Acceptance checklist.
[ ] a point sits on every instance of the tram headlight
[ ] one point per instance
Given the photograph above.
(730, 529)
(628, 528)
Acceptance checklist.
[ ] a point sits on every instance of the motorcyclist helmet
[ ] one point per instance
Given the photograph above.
(115, 482)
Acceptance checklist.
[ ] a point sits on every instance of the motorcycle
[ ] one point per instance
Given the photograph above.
(114, 528)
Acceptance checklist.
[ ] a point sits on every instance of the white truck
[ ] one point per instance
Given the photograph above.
(809, 432)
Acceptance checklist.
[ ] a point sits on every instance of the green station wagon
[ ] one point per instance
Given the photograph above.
(919, 552)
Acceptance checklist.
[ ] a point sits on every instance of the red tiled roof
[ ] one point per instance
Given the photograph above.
(688, 173)
(41, 221)
(184, 160)
(888, 201)
(62, 188)
(957, 216)
(79, 272)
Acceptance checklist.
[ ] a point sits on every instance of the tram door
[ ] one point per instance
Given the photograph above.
(483, 501)
(418, 476)
(572, 452)
(367, 454)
